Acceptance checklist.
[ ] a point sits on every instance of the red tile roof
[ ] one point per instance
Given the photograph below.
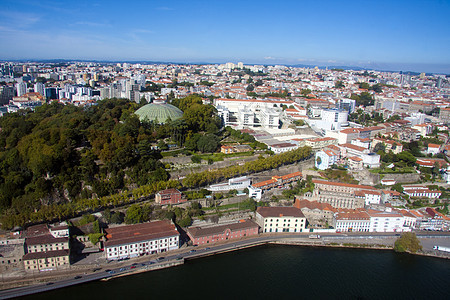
(140, 232)
(318, 181)
(276, 212)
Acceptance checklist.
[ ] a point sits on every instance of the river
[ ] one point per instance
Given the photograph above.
(278, 271)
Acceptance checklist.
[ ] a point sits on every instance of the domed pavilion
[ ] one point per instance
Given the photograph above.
(158, 112)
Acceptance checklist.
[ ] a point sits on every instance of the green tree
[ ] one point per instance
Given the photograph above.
(339, 84)
(86, 219)
(379, 147)
(208, 143)
(364, 85)
(408, 242)
(376, 88)
(94, 238)
(137, 214)
(185, 222)
(196, 159)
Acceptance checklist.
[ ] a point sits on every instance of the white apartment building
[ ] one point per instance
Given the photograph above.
(39, 88)
(364, 143)
(325, 159)
(270, 118)
(21, 88)
(135, 240)
(370, 221)
(247, 112)
(410, 220)
(386, 221)
(370, 196)
(246, 116)
(352, 221)
(332, 119)
(280, 219)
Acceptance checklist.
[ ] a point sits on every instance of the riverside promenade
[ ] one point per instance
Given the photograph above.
(107, 271)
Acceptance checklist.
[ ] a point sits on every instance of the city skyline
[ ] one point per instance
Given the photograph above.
(405, 35)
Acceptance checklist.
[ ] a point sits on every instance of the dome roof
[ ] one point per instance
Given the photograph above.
(158, 112)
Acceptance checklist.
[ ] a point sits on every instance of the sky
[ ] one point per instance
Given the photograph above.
(388, 35)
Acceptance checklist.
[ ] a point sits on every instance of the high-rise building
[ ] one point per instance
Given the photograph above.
(39, 88)
(439, 83)
(21, 88)
(6, 94)
(51, 93)
(347, 104)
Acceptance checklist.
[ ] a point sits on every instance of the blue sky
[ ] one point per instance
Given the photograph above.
(396, 35)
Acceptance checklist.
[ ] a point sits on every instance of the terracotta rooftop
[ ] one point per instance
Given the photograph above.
(277, 212)
(140, 232)
(45, 239)
(47, 254)
(318, 181)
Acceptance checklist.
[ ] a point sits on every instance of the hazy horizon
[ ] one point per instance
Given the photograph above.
(382, 35)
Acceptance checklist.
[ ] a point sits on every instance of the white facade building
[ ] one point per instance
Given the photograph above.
(21, 88)
(352, 222)
(270, 118)
(433, 149)
(370, 221)
(282, 147)
(140, 239)
(280, 219)
(333, 119)
(238, 184)
(246, 117)
(254, 192)
(422, 193)
(386, 221)
(325, 159)
(371, 160)
(39, 88)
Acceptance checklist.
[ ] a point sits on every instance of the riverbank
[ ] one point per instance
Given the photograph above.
(177, 257)
(281, 271)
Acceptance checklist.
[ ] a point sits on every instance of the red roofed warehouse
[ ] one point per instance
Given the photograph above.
(135, 240)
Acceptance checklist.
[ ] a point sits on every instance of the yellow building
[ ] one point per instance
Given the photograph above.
(45, 261)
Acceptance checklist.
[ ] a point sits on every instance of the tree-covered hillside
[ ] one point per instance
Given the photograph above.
(63, 153)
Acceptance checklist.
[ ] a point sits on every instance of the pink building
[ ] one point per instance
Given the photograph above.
(209, 235)
(169, 196)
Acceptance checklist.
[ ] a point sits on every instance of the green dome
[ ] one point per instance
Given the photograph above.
(159, 112)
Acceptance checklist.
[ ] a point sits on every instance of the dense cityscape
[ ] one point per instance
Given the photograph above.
(126, 160)
(241, 149)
